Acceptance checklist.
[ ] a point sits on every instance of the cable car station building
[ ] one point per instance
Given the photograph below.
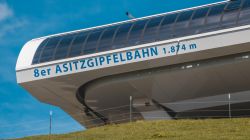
(178, 64)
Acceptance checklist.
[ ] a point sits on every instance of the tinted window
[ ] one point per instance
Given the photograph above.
(198, 19)
(63, 47)
(48, 51)
(246, 4)
(136, 32)
(106, 40)
(121, 35)
(91, 43)
(245, 13)
(151, 29)
(166, 28)
(214, 17)
(183, 20)
(200, 13)
(38, 52)
(233, 5)
(216, 10)
(231, 13)
(184, 16)
(77, 44)
(169, 19)
(182, 23)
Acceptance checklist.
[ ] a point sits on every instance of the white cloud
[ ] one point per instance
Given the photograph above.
(11, 27)
(5, 11)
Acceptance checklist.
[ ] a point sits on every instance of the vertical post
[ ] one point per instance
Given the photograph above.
(130, 108)
(50, 122)
(178, 47)
(229, 106)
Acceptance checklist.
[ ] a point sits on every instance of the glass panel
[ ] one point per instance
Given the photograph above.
(91, 43)
(233, 5)
(200, 13)
(151, 29)
(38, 52)
(182, 23)
(63, 47)
(121, 36)
(136, 32)
(214, 17)
(244, 17)
(198, 20)
(230, 14)
(217, 10)
(106, 40)
(169, 19)
(49, 49)
(184, 16)
(76, 47)
(246, 4)
(166, 29)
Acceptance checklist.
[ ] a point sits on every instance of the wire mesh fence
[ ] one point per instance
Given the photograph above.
(122, 114)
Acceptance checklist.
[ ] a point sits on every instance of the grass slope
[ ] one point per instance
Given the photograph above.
(209, 129)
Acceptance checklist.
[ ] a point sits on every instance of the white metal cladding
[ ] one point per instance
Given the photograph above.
(27, 53)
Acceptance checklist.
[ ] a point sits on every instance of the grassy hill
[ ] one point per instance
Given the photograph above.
(209, 129)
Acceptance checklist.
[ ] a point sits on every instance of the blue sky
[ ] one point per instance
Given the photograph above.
(20, 113)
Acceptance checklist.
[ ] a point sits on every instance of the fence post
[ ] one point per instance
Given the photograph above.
(229, 106)
(50, 122)
(130, 108)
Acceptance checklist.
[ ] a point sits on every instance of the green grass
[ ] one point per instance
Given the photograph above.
(209, 129)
